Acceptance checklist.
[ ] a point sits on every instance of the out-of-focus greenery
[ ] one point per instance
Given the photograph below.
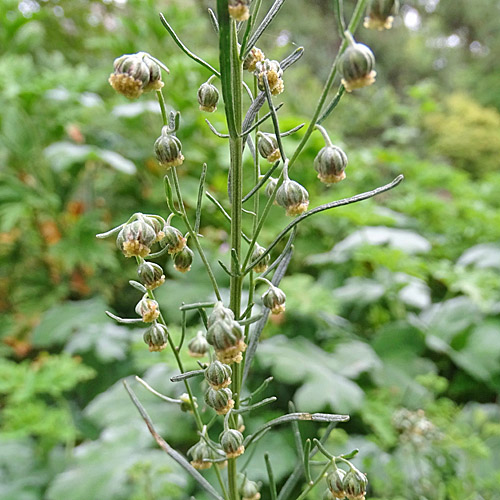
(393, 304)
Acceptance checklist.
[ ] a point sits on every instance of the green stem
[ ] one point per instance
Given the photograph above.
(310, 486)
(221, 482)
(161, 101)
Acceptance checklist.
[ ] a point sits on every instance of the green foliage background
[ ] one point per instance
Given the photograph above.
(393, 304)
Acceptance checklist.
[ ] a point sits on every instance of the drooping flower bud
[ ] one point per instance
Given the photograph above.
(355, 484)
(381, 14)
(157, 226)
(136, 238)
(148, 309)
(198, 347)
(238, 9)
(274, 74)
(134, 74)
(156, 337)
(249, 490)
(151, 275)
(218, 375)
(232, 443)
(357, 65)
(271, 186)
(293, 197)
(208, 97)
(173, 240)
(274, 298)
(221, 401)
(240, 422)
(264, 263)
(330, 163)
(225, 335)
(186, 405)
(199, 453)
(183, 260)
(254, 56)
(268, 147)
(335, 483)
(168, 149)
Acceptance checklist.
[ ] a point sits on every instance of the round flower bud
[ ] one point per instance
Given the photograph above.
(148, 309)
(199, 453)
(186, 405)
(134, 74)
(221, 401)
(238, 9)
(254, 56)
(355, 484)
(264, 263)
(240, 423)
(173, 240)
(183, 260)
(135, 239)
(219, 312)
(271, 186)
(198, 346)
(274, 74)
(268, 147)
(274, 298)
(208, 97)
(357, 67)
(151, 275)
(226, 337)
(157, 226)
(156, 337)
(330, 163)
(232, 443)
(381, 14)
(335, 483)
(249, 490)
(168, 149)
(293, 197)
(218, 375)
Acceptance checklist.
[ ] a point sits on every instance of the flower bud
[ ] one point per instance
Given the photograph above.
(134, 74)
(274, 74)
(268, 147)
(226, 337)
(151, 275)
(232, 443)
(254, 56)
(208, 97)
(136, 238)
(198, 346)
(271, 186)
(221, 401)
(264, 263)
(274, 298)
(240, 422)
(148, 309)
(330, 164)
(218, 375)
(220, 313)
(355, 484)
(186, 405)
(335, 483)
(238, 9)
(157, 226)
(156, 337)
(173, 240)
(183, 260)
(356, 66)
(293, 197)
(328, 495)
(381, 14)
(199, 453)
(168, 149)
(249, 490)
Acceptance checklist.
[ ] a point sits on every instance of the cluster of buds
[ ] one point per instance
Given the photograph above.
(225, 335)
(156, 337)
(357, 65)
(208, 96)
(248, 490)
(238, 9)
(343, 484)
(380, 14)
(134, 74)
(268, 147)
(274, 298)
(220, 400)
(198, 346)
(168, 149)
(271, 70)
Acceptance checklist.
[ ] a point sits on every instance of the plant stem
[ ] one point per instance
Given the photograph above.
(315, 482)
